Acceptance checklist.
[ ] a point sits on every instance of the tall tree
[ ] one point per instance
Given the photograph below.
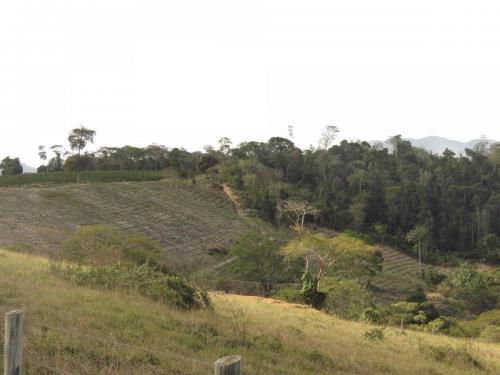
(418, 237)
(328, 137)
(42, 154)
(80, 137)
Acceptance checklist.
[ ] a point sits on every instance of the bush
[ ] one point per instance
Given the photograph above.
(406, 312)
(418, 295)
(476, 289)
(347, 299)
(490, 334)
(360, 236)
(431, 277)
(101, 245)
(148, 280)
(289, 294)
(374, 334)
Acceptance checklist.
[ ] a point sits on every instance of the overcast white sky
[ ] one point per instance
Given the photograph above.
(189, 72)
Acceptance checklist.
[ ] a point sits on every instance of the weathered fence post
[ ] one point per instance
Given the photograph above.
(228, 365)
(13, 343)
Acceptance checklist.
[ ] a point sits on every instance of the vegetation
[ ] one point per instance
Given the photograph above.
(342, 255)
(257, 258)
(74, 329)
(104, 257)
(11, 167)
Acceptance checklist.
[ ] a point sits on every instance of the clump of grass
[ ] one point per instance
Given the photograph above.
(464, 353)
(374, 334)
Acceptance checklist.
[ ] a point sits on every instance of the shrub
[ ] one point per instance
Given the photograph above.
(101, 245)
(431, 277)
(418, 295)
(146, 279)
(347, 299)
(360, 236)
(374, 334)
(490, 334)
(475, 288)
(289, 294)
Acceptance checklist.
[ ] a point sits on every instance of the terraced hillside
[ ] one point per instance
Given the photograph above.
(399, 275)
(190, 220)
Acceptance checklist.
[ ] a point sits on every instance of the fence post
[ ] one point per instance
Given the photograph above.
(228, 365)
(13, 343)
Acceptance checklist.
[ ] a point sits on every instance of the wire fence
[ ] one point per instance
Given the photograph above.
(61, 355)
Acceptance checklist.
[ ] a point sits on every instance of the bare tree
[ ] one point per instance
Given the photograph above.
(296, 211)
(328, 137)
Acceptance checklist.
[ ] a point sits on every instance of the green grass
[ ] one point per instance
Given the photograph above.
(73, 177)
(76, 330)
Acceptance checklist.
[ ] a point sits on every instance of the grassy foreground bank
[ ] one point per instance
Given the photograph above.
(75, 330)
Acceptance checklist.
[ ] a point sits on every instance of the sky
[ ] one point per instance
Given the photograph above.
(186, 73)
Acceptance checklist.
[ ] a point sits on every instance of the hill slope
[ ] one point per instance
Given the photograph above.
(75, 330)
(189, 220)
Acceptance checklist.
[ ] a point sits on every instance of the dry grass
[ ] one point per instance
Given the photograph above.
(97, 332)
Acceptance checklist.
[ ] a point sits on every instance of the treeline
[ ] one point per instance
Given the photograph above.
(438, 204)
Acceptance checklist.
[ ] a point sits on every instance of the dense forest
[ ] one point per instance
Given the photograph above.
(443, 205)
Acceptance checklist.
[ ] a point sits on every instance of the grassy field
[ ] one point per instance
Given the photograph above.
(190, 220)
(75, 330)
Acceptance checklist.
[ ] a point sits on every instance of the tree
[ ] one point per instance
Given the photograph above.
(418, 237)
(80, 137)
(342, 255)
(225, 145)
(328, 137)
(258, 259)
(297, 211)
(56, 163)
(11, 167)
(42, 154)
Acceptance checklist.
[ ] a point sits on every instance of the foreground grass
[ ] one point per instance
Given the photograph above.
(74, 330)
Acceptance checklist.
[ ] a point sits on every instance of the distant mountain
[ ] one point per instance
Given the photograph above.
(437, 145)
(28, 169)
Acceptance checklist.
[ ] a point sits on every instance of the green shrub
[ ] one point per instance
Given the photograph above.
(147, 279)
(374, 334)
(289, 294)
(476, 289)
(360, 236)
(490, 334)
(347, 299)
(402, 312)
(431, 277)
(100, 245)
(418, 295)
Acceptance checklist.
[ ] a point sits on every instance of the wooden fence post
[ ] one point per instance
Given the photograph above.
(13, 344)
(228, 365)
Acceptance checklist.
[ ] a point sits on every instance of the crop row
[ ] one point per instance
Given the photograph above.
(73, 177)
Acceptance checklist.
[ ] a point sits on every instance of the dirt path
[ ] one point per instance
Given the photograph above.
(234, 198)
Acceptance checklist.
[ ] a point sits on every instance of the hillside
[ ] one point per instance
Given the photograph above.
(399, 276)
(190, 220)
(75, 330)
